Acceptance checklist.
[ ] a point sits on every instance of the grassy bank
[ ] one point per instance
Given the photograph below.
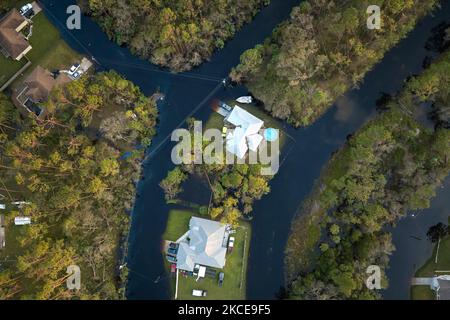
(234, 285)
(430, 268)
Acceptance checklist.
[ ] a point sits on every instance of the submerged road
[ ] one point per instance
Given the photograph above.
(189, 94)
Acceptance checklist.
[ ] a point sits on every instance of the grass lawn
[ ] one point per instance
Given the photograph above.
(12, 248)
(177, 224)
(429, 270)
(422, 293)
(235, 268)
(9, 67)
(49, 49)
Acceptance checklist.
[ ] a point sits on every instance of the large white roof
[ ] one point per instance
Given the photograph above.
(254, 141)
(245, 135)
(245, 120)
(202, 245)
(236, 142)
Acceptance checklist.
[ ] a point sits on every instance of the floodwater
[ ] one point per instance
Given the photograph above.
(190, 93)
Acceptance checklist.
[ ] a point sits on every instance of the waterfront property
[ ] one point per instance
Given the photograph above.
(36, 88)
(232, 283)
(245, 134)
(432, 280)
(204, 244)
(48, 48)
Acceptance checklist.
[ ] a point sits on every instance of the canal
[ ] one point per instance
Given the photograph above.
(189, 94)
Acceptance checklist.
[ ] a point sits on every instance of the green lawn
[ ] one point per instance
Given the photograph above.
(429, 270)
(12, 248)
(177, 224)
(9, 67)
(49, 49)
(422, 293)
(235, 268)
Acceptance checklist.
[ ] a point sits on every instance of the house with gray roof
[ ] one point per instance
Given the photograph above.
(204, 244)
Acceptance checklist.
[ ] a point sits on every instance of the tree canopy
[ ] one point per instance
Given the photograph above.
(179, 34)
(78, 187)
(392, 165)
(321, 51)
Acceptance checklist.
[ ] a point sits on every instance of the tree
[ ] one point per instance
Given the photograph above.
(172, 183)
(437, 232)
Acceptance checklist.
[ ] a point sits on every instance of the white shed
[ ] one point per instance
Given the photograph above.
(21, 221)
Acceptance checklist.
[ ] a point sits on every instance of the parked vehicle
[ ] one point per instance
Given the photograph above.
(173, 245)
(171, 258)
(173, 268)
(74, 68)
(172, 251)
(224, 132)
(221, 277)
(76, 75)
(225, 106)
(26, 8)
(231, 244)
(199, 293)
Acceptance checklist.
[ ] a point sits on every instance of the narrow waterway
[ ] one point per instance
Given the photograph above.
(189, 94)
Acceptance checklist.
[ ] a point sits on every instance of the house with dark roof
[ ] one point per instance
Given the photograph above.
(12, 42)
(36, 89)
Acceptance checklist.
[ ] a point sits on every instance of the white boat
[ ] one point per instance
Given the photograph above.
(245, 99)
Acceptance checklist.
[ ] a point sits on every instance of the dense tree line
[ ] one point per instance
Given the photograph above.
(179, 34)
(78, 185)
(391, 165)
(324, 49)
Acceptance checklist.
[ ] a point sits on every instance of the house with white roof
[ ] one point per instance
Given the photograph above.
(205, 244)
(245, 135)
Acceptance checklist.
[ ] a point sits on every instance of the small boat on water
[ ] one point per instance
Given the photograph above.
(245, 99)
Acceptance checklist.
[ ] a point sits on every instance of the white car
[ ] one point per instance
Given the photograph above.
(231, 243)
(26, 8)
(199, 293)
(74, 68)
